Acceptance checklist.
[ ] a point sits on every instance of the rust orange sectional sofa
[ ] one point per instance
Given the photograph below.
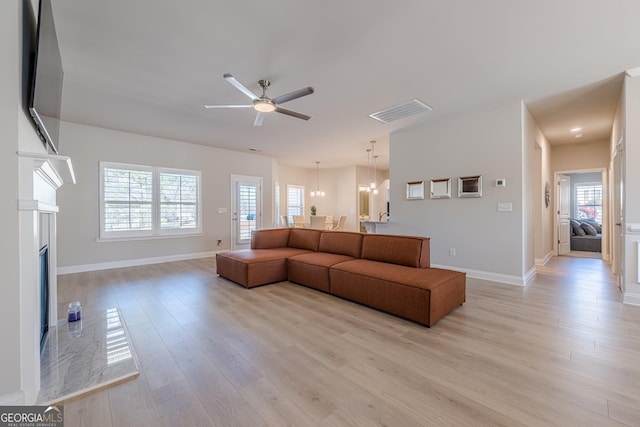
(387, 272)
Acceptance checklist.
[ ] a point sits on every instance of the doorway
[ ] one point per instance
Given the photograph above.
(246, 209)
(581, 221)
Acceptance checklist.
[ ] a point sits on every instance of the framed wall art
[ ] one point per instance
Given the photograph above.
(415, 190)
(470, 186)
(441, 188)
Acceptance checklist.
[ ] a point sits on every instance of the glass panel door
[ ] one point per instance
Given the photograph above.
(247, 208)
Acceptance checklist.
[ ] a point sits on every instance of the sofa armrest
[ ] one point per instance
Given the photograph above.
(269, 239)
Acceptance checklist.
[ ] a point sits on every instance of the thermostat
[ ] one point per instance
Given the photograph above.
(501, 182)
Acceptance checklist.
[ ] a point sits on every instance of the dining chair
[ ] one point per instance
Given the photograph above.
(319, 222)
(298, 221)
(284, 221)
(329, 222)
(341, 221)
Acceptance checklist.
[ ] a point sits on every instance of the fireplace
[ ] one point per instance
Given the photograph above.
(44, 294)
(40, 176)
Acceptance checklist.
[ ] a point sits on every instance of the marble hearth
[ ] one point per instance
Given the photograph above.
(82, 356)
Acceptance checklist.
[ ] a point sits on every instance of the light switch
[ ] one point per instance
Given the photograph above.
(505, 207)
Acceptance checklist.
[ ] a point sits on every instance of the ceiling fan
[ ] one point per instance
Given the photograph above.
(263, 104)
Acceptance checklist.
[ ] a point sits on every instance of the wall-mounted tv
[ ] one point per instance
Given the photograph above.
(46, 81)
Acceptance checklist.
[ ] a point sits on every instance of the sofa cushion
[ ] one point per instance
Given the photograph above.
(576, 228)
(304, 238)
(255, 267)
(594, 224)
(424, 295)
(341, 242)
(402, 250)
(272, 238)
(589, 229)
(251, 256)
(312, 269)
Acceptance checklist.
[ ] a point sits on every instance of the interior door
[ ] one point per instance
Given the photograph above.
(246, 209)
(564, 214)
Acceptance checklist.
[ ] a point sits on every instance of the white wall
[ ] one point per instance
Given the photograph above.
(17, 133)
(540, 163)
(9, 109)
(586, 155)
(632, 188)
(485, 142)
(78, 221)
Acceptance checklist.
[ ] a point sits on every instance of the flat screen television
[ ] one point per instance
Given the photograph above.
(46, 81)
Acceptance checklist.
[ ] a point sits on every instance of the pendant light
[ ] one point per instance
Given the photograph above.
(373, 157)
(317, 192)
(368, 187)
(375, 174)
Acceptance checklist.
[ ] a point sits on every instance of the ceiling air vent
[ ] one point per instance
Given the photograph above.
(401, 111)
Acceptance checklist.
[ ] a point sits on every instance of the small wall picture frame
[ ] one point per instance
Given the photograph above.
(415, 190)
(470, 186)
(441, 188)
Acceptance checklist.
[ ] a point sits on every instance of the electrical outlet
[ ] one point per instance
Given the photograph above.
(219, 242)
(452, 251)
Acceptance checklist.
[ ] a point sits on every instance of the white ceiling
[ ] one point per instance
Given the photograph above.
(149, 66)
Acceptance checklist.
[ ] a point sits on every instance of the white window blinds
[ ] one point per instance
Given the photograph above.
(179, 201)
(128, 199)
(295, 200)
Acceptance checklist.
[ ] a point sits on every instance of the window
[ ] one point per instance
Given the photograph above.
(247, 208)
(588, 201)
(295, 200)
(145, 201)
(179, 200)
(127, 200)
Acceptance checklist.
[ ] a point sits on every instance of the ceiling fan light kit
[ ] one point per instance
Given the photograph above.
(264, 104)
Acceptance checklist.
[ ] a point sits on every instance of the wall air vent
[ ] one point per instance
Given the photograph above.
(401, 111)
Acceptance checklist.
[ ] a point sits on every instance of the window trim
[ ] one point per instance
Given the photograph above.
(156, 230)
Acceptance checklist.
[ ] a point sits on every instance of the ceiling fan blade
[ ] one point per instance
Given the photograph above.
(242, 88)
(293, 95)
(292, 113)
(228, 106)
(259, 119)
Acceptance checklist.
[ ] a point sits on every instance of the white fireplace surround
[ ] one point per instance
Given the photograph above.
(40, 176)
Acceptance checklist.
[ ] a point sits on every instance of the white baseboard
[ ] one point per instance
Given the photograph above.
(487, 275)
(543, 261)
(631, 299)
(133, 262)
(13, 399)
(530, 275)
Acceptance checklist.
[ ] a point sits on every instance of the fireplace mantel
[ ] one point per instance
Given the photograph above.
(53, 169)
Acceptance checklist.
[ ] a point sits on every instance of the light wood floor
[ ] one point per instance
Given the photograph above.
(562, 351)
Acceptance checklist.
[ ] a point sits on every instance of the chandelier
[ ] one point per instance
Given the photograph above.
(372, 169)
(317, 192)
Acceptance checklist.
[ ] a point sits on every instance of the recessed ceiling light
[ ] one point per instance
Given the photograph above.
(576, 129)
